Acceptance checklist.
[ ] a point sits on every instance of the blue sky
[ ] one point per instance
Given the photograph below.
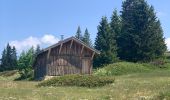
(29, 22)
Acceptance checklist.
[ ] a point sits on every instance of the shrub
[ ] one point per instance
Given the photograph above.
(121, 68)
(26, 75)
(77, 80)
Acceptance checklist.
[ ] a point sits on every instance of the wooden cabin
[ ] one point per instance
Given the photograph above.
(69, 56)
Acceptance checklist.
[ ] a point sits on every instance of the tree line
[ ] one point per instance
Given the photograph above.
(85, 38)
(23, 63)
(9, 58)
(133, 35)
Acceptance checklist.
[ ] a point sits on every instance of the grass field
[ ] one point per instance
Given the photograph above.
(154, 85)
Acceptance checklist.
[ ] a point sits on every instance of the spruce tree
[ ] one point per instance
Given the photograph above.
(14, 58)
(38, 49)
(86, 38)
(9, 58)
(142, 36)
(78, 33)
(115, 25)
(3, 61)
(105, 43)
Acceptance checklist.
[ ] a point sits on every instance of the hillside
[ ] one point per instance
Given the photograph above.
(150, 84)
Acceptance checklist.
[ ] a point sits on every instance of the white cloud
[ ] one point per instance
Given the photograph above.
(26, 43)
(168, 43)
(47, 39)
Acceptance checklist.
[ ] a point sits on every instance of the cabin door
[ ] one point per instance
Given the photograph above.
(85, 66)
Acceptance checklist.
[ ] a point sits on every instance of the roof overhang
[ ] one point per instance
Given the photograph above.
(67, 40)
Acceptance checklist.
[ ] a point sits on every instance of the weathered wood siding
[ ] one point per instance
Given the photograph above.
(40, 66)
(68, 58)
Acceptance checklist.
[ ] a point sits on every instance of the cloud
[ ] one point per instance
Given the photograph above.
(47, 39)
(167, 41)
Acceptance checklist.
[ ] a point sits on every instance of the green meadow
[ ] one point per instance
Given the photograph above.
(141, 83)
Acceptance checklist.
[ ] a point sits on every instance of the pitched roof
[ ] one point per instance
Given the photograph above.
(66, 40)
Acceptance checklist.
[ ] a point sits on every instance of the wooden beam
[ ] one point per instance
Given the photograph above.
(82, 49)
(47, 62)
(48, 55)
(92, 55)
(71, 44)
(60, 47)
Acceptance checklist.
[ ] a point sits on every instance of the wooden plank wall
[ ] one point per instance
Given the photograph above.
(40, 66)
(68, 61)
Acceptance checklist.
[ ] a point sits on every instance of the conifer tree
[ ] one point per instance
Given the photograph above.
(115, 25)
(14, 58)
(86, 38)
(3, 61)
(78, 33)
(38, 49)
(105, 43)
(9, 58)
(6, 56)
(142, 35)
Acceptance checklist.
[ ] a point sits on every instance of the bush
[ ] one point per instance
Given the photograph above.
(26, 74)
(78, 80)
(121, 68)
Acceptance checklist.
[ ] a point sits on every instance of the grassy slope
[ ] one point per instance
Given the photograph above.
(130, 86)
(121, 68)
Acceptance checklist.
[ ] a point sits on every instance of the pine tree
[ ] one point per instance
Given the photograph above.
(142, 35)
(14, 58)
(78, 33)
(105, 43)
(115, 25)
(9, 58)
(160, 41)
(38, 49)
(86, 38)
(3, 61)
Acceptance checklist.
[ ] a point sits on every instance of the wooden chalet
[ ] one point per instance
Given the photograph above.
(69, 56)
